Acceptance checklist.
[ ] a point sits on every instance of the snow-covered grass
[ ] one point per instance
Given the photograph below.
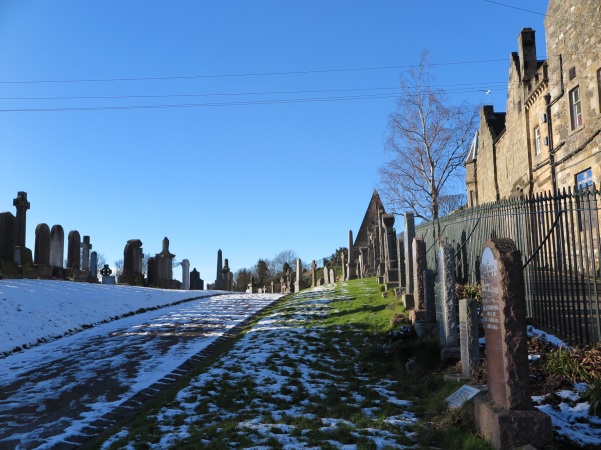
(37, 311)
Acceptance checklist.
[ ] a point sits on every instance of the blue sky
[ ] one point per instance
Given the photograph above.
(254, 127)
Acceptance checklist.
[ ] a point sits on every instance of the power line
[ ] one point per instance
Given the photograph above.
(233, 75)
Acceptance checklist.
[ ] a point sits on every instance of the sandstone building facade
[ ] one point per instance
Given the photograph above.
(549, 138)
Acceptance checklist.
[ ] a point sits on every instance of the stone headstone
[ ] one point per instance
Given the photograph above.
(94, 267)
(219, 280)
(462, 395)
(392, 269)
(332, 276)
(132, 263)
(85, 253)
(429, 297)
(227, 276)
(326, 275)
(57, 246)
(73, 246)
(419, 265)
(106, 272)
(186, 275)
(7, 236)
(196, 283)
(352, 272)
(446, 305)
(469, 339)
(299, 284)
(408, 237)
(313, 275)
(164, 265)
(345, 272)
(42, 245)
(506, 417)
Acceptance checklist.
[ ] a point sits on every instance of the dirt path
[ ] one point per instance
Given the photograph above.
(61, 394)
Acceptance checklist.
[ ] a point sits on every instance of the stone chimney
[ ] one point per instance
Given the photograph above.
(527, 51)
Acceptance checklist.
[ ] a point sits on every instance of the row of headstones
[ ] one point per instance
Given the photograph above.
(47, 261)
(505, 416)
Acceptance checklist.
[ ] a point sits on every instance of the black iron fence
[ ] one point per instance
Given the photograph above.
(558, 236)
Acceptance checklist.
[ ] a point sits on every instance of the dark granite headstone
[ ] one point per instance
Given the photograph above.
(7, 236)
(196, 284)
(57, 246)
(42, 245)
(73, 246)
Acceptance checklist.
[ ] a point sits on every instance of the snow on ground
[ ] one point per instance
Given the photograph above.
(34, 311)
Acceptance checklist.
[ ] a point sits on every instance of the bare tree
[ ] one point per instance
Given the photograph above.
(429, 140)
(285, 256)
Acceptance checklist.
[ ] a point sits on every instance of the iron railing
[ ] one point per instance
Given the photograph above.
(559, 238)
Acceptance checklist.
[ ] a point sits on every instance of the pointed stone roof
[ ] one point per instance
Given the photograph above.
(371, 217)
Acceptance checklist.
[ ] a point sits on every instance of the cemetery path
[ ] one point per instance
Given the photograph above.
(60, 394)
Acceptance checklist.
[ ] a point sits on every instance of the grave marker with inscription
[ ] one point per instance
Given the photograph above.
(505, 416)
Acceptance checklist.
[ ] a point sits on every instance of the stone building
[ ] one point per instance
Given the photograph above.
(549, 136)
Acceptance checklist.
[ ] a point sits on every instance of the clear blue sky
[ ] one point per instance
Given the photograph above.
(272, 138)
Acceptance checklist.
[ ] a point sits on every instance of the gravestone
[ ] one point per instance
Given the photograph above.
(73, 246)
(106, 272)
(332, 276)
(7, 236)
(85, 253)
(163, 266)
(186, 275)
(363, 262)
(505, 416)
(22, 206)
(392, 268)
(132, 263)
(419, 265)
(93, 276)
(469, 339)
(326, 275)
(42, 251)
(446, 304)
(219, 280)
(227, 276)
(196, 283)
(313, 275)
(408, 237)
(57, 250)
(345, 272)
(271, 291)
(299, 284)
(352, 272)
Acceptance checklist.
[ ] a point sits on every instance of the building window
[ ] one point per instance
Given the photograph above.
(537, 144)
(586, 200)
(575, 108)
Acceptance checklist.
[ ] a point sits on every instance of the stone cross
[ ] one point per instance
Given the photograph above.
(86, 247)
(22, 206)
(106, 271)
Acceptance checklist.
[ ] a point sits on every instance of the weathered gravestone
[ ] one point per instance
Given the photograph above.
(57, 250)
(446, 304)
(85, 253)
(219, 280)
(408, 236)
(352, 271)
(313, 276)
(332, 276)
(344, 275)
(132, 263)
(227, 276)
(73, 246)
(469, 340)
(391, 277)
(326, 275)
(186, 275)
(196, 283)
(42, 251)
(299, 284)
(505, 416)
(93, 275)
(418, 313)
